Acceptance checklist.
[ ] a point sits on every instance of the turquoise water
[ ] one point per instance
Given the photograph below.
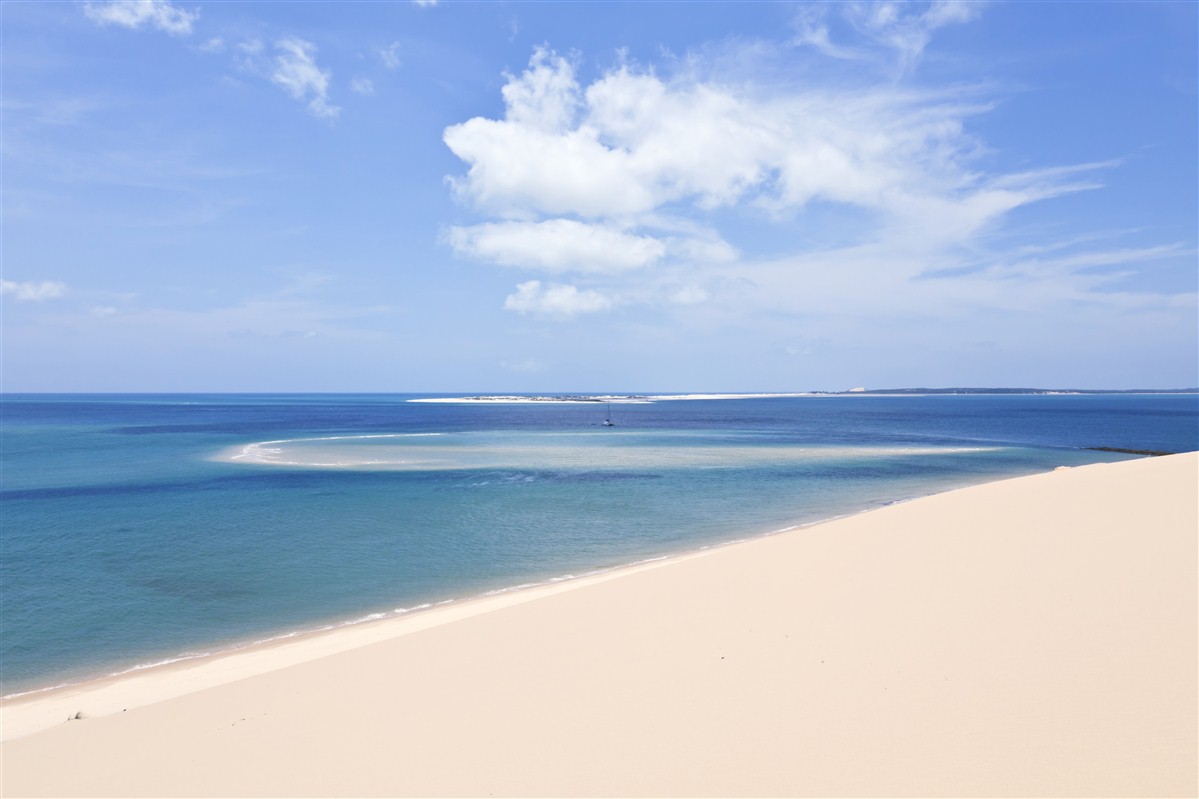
(143, 528)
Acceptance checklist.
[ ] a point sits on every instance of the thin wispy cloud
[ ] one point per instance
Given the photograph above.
(812, 30)
(293, 311)
(293, 66)
(295, 69)
(390, 56)
(215, 44)
(137, 14)
(33, 291)
(896, 30)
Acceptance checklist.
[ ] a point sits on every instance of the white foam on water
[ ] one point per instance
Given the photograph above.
(422, 606)
(32, 691)
(156, 663)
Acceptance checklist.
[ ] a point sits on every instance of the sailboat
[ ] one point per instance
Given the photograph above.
(608, 418)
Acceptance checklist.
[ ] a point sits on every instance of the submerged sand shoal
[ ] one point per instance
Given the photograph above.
(1035, 636)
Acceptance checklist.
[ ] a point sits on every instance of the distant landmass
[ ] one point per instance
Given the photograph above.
(975, 390)
(616, 398)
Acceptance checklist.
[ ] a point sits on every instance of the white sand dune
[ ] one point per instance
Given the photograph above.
(1032, 637)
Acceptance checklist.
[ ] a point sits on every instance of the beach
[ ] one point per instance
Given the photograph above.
(1030, 637)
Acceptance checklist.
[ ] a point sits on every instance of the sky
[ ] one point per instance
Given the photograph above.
(598, 197)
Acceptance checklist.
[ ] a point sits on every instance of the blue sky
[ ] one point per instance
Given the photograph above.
(598, 196)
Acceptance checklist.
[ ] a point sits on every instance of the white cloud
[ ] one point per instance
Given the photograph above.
(136, 14)
(295, 69)
(557, 245)
(631, 144)
(901, 30)
(689, 295)
(213, 45)
(903, 27)
(632, 149)
(702, 249)
(424, 3)
(555, 300)
(390, 56)
(362, 86)
(810, 22)
(30, 291)
(867, 285)
(874, 199)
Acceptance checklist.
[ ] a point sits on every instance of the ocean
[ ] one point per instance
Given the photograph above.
(141, 529)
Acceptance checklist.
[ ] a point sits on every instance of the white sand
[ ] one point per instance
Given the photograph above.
(1035, 636)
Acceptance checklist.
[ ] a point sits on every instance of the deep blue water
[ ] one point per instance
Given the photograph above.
(131, 531)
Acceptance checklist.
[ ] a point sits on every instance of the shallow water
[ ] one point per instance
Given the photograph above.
(140, 528)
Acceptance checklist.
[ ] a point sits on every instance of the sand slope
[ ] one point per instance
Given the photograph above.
(1035, 636)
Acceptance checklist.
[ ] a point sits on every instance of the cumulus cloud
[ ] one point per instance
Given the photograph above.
(555, 300)
(136, 14)
(557, 245)
(628, 178)
(33, 291)
(295, 70)
(631, 144)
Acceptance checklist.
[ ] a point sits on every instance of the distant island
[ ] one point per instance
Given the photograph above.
(505, 398)
(853, 392)
(976, 390)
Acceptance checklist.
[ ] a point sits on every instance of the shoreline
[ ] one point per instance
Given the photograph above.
(60, 696)
(27, 713)
(1029, 636)
(232, 648)
(250, 643)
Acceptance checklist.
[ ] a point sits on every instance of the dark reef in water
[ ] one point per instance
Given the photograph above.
(1154, 452)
